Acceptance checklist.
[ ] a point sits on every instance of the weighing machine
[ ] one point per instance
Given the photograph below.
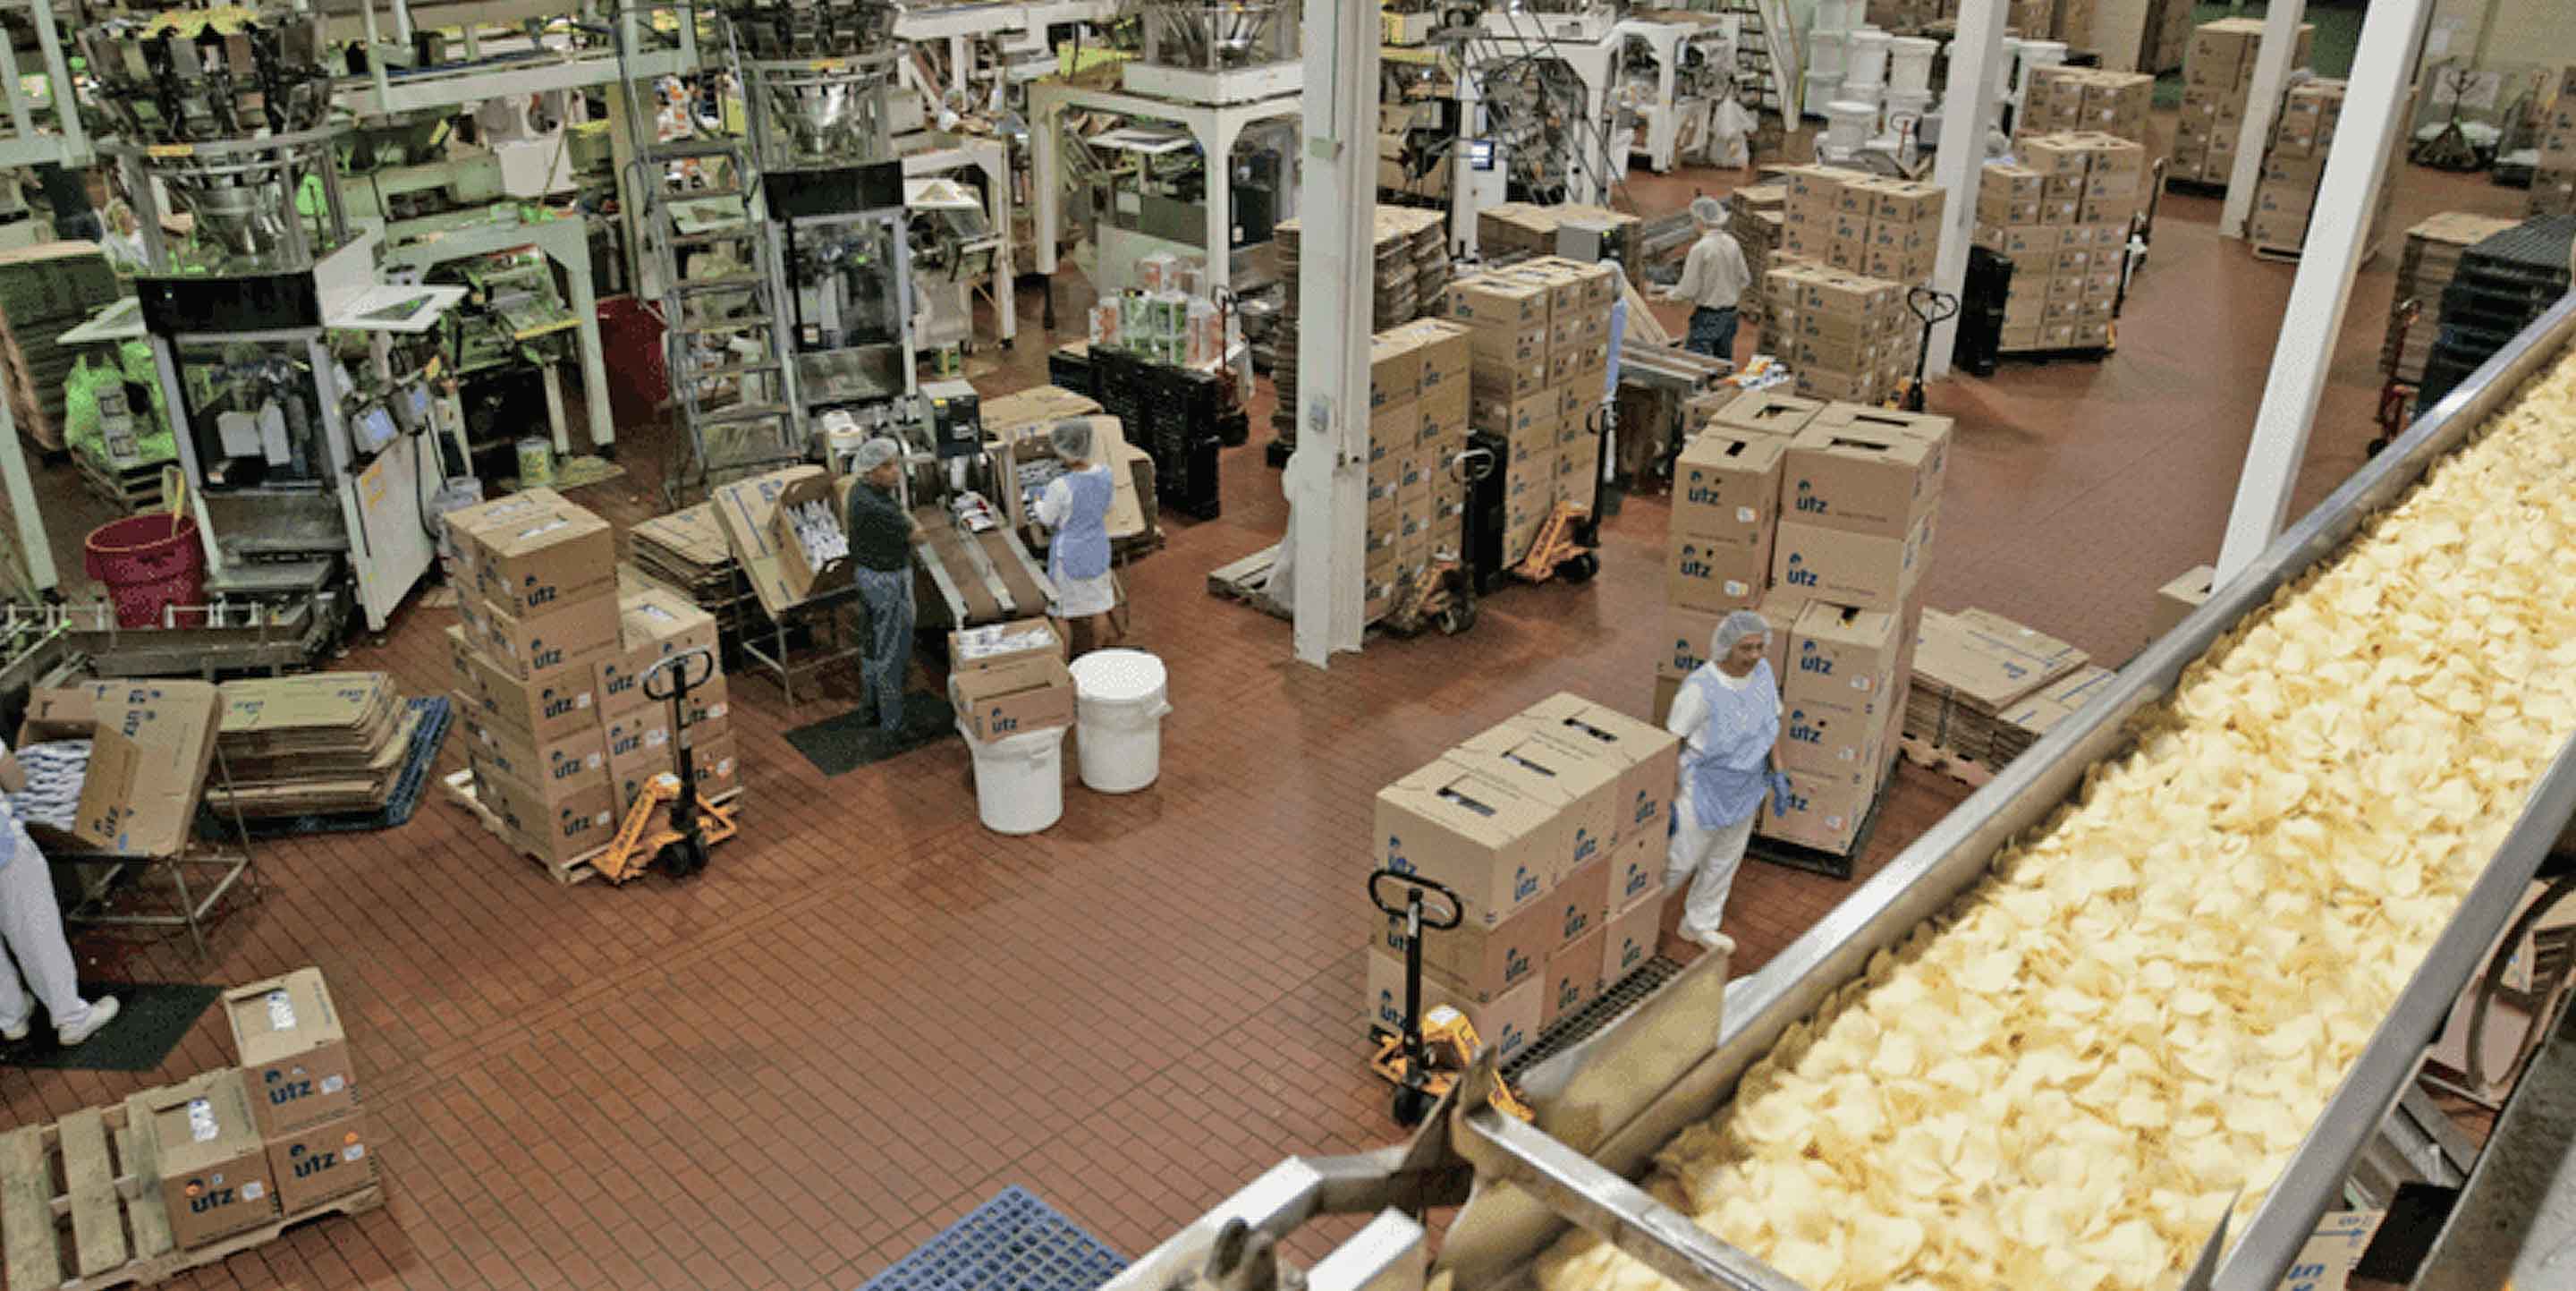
(1609, 1101)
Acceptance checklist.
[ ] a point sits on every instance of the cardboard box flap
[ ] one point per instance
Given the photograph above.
(148, 761)
(747, 511)
(1581, 722)
(282, 1017)
(1470, 802)
(1987, 660)
(201, 1123)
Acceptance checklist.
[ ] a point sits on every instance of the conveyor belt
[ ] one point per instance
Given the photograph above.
(1608, 1105)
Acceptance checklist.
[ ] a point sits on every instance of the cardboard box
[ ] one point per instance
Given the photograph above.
(1828, 741)
(1457, 823)
(1573, 976)
(1768, 412)
(1395, 368)
(806, 574)
(1506, 1024)
(999, 643)
(1860, 478)
(1637, 868)
(638, 747)
(1648, 754)
(577, 635)
(1726, 488)
(744, 510)
(1864, 571)
(543, 559)
(548, 706)
(1491, 298)
(288, 1036)
(1517, 416)
(1712, 576)
(552, 770)
(1478, 963)
(316, 1164)
(1824, 809)
(214, 1178)
(61, 713)
(1016, 698)
(1580, 905)
(1631, 939)
(1687, 632)
(2176, 600)
(1843, 659)
(149, 753)
(557, 829)
(1580, 786)
(619, 686)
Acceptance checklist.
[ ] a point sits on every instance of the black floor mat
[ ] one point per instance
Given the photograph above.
(151, 1019)
(852, 740)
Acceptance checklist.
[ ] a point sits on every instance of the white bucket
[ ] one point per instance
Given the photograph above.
(1826, 55)
(1909, 64)
(1862, 95)
(1848, 125)
(1019, 779)
(1838, 15)
(1900, 103)
(1118, 698)
(1868, 65)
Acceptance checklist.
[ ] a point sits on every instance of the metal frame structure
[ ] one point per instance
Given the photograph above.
(1605, 1106)
(992, 158)
(566, 242)
(1215, 129)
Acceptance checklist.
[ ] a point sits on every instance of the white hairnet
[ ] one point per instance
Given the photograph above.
(1709, 211)
(1072, 440)
(1736, 627)
(873, 454)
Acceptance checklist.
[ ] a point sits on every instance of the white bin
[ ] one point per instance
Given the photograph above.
(1119, 708)
(1019, 779)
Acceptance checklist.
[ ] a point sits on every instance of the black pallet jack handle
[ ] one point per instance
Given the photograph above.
(670, 681)
(1934, 308)
(1412, 1100)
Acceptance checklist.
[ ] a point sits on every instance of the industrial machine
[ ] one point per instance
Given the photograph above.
(1673, 75)
(299, 389)
(953, 246)
(1606, 1102)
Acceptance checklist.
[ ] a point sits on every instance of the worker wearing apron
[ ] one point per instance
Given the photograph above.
(31, 928)
(1727, 715)
(881, 565)
(1076, 506)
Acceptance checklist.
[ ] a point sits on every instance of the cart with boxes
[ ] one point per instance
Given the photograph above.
(1550, 828)
(186, 1175)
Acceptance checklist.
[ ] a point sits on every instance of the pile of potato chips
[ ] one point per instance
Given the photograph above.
(2061, 1081)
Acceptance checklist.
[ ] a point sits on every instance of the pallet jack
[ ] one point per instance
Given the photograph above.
(1432, 1052)
(2396, 398)
(696, 824)
(1934, 308)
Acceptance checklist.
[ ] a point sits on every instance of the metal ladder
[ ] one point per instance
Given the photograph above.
(1766, 53)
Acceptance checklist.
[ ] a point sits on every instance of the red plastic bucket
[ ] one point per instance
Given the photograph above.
(630, 336)
(148, 563)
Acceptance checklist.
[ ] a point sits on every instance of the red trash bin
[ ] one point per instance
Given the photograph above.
(148, 562)
(630, 339)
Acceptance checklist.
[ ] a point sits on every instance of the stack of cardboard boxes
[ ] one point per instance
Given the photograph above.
(2553, 181)
(2064, 99)
(1820, 516)
(2432, 256)
(1550, 828)
(1418, 400)
(1409, 277)
(2218, 72)
(1757, 215)
(2062, 216)
(2296, 163)
(546, 671)
(1846, 335)
(1862, 223)
(1008, 679)
(1978, 679)
(1539, 360)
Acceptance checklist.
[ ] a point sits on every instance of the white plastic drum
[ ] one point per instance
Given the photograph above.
(1837, 15)
(1118, 698)
(1868, 65)
(2035, 54)
(1909, 64)
(1903, 104)
(1848, 125)
(1019, 780)
(1853, 92)
(1827, 55)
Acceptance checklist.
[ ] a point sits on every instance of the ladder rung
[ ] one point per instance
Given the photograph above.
(732, 370)
(742, 412)
(736, 324)
(714, 286)
(693, 149)
(739, 233)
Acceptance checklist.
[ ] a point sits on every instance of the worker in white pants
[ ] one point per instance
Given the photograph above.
(1727, 715)
(31, 927)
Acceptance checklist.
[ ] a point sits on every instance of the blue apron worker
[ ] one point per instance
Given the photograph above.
(1727, 715)
(1714, 277)
(881, 564)
(1076, 506)
(31, 926)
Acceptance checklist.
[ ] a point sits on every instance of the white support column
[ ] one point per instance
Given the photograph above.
(2373, 117)
(1975, 57)
(1327, 477)
(2272, 63)
(1046, 159)
(34, 546)
(1218, 230)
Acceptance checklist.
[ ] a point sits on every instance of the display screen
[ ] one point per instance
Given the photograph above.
(375, 429)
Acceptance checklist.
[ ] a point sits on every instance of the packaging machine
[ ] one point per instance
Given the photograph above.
(1607, 1104)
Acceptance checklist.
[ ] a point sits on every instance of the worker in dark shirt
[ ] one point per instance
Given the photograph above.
(881, 564)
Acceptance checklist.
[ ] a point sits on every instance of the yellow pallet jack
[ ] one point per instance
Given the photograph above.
(680, 848)
(1426, 1059)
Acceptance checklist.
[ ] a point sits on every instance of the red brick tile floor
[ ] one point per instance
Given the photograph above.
(870, 1014)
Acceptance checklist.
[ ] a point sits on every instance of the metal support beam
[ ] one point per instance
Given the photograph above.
(1976, 60)
(2373, 112)
(1327, 477)
(2272, 63)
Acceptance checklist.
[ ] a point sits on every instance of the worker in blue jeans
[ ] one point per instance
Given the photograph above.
(1713, 279)
(881, 564)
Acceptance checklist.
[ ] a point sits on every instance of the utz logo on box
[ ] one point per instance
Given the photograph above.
(572, 823)
(1395, 857)
(1811, 659)
(558, 704)
(1693, 564)
(1645, 809)
(1793, 802)
(284, 1089)
(1804, 730)
(1388, 1013)
(204, 1196)
(1808, 503)
(1567, 992)
(1524, 884)
(1686, 655)
(1578, 919)
(1516, 965)
(1585, 845)
(1511, 1039)
(1639, 877)
(304, 1163)
(999, 722)
(1797, 574)
(1631, 954)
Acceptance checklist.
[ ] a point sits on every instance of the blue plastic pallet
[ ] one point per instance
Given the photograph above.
(435, 715)
(1014, 1242)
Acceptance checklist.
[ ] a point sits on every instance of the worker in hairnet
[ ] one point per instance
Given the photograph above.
(881, 564)
(1714, 277)
(31, 929)
(1727, 715)
(1075, 506)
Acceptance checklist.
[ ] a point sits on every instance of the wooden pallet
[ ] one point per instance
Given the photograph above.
(119, 1231)
(1940, 761)
(131, 489)
(1245, 580)
(458, 786)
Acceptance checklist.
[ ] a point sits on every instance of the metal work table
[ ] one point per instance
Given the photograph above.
(2515, 1223)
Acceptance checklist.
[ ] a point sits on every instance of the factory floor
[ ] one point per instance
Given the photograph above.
(870, 1014)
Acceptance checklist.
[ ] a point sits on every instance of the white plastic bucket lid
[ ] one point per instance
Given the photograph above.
(1118, 676)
